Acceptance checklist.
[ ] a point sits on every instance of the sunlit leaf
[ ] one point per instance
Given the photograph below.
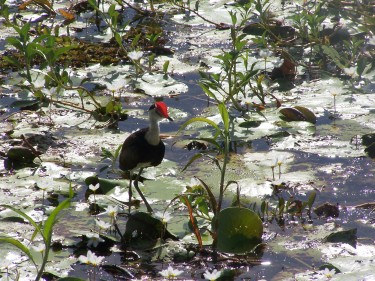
(239, 230)
(52, 218)
(224, 115)
(298, 113)
(19, 245)
(307, 113)
(199, 119)
(22, 214)
(346, 236)
(311, 199)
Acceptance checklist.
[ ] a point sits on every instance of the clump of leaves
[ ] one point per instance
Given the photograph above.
(44, 230)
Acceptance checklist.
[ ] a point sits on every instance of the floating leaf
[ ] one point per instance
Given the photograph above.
(250, 124)
(144, 230)
(19, 245)
(309, 115)
(298, 113)
(346, 236)
(239, 230)
(23, 103)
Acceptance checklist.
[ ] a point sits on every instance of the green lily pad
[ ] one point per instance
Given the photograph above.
(239, 230)
(143, 230)
(346, 236)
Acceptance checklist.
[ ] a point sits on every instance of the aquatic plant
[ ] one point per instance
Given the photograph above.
(93, 260)
(44, 230)
(170, 273)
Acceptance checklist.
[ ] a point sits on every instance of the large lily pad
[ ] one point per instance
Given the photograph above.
(239, 230)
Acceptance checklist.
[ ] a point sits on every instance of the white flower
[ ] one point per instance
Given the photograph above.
(102, 224)
(112, 211)
(94, 239)
(350, 71)
(265, 53)
(163, 216)
(214, 275)
(170, 272)
(135, 55)
(94, 187)
(91, 258)
(328, 273)
(39, 248)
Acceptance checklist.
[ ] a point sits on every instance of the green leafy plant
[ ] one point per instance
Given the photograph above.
(227, 85)
(27, 48)
(221, 141)
(44, 230)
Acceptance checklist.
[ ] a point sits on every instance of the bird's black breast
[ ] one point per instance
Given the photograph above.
(137, 151)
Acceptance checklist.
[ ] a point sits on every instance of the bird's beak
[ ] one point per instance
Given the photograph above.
(170, 119)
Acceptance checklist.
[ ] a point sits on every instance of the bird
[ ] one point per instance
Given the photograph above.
(144, 148)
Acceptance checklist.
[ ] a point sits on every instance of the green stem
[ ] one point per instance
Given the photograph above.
(45, 259)
(223, 171)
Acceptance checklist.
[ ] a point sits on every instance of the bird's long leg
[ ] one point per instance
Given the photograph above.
(130, 189)
(149, 209)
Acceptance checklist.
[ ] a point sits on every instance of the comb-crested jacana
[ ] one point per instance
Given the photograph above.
(144, 148)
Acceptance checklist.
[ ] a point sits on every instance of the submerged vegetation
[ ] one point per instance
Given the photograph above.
(87, 66)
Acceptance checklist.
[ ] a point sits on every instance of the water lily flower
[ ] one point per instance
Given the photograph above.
(265, 53)
(91, 258)
(39, 248)
(170, 272)
(135, 55)
(94, 239)
(102, 224)
(94, 187)
(112, 211)
(212, 276)
(163, 216)
(328, 273)
(350, 71)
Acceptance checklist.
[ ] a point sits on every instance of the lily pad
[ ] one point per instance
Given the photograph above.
(143, 230)
(239, 230)
(346, 236)
(298, 113)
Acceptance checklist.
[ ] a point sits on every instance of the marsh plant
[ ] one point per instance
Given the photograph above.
(44, 49)
(239, 79)
(41, 230)
(231, 82)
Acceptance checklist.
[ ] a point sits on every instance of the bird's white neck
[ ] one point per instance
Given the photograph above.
(153, 134)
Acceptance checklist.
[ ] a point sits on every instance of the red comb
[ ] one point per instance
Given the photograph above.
(162, 108)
